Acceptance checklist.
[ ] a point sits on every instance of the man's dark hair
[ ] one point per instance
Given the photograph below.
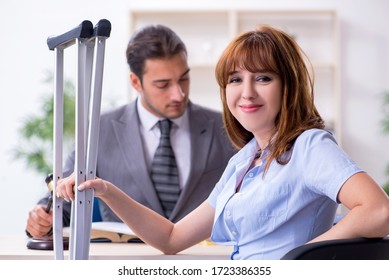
(152, 42)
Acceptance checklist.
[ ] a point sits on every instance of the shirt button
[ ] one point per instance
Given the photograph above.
(251, 175)
(234, 232)
(228, 213)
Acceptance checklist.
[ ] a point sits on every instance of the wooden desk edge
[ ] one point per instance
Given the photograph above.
(14, 248)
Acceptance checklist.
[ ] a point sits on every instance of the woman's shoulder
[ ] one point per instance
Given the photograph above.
(314, 136)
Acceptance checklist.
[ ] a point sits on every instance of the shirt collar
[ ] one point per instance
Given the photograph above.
(148, 120)
(247, 153)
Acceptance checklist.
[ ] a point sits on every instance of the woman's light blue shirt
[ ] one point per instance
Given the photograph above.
(288, 207)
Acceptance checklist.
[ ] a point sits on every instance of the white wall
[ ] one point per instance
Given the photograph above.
(24, 58)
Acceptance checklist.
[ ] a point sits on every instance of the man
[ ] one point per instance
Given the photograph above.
(130, 135)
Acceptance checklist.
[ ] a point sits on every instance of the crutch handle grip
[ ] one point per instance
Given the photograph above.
(102, 28)
(84, 30)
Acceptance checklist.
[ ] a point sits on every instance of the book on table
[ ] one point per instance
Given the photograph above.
(110, 232)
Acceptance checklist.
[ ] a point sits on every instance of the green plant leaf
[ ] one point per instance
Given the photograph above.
(36, 131)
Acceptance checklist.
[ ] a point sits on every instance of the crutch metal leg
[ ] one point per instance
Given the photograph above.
(87, 149)
(59, 44)
(101, 32)
(87, 130)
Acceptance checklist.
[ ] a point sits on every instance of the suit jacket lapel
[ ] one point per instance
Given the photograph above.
(201, 130)
(128, 136)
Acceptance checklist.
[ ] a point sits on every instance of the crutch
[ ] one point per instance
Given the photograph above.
(87, 130)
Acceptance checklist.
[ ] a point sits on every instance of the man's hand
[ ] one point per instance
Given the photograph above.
(39, 222)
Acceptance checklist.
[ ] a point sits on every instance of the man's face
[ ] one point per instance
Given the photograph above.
(164, 90)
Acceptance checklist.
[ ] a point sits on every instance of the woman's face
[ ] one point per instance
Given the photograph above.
(254, 99)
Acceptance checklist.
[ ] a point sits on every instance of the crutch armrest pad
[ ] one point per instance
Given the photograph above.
(102, 28)
(84, 30)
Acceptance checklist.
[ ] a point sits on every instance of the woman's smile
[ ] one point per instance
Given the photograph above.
(250, 108)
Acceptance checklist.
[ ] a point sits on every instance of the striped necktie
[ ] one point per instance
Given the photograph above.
(164, 171)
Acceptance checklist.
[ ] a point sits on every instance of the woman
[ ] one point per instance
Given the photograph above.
(282, 188)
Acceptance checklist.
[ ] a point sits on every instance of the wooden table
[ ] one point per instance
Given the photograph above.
(14, 248)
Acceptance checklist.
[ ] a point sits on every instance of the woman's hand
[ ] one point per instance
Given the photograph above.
(65, 187)
(100, 186)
